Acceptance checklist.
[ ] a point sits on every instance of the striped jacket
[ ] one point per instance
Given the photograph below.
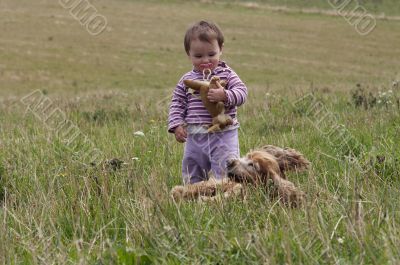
(188, 108)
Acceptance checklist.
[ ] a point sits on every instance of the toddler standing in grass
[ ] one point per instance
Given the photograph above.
(188, 118)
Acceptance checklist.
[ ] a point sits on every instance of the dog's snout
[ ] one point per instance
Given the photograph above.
(230, 163)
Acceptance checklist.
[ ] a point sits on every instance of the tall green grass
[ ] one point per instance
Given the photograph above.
(55, 210)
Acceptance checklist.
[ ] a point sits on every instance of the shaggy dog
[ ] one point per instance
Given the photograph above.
(259, 167)
(268, 165)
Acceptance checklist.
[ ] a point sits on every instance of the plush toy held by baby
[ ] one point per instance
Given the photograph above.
(216, 109)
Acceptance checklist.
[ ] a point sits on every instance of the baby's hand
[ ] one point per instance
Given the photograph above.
(180, 134)
(217, 95)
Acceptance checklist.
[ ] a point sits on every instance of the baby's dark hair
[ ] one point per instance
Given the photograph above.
(204, 31)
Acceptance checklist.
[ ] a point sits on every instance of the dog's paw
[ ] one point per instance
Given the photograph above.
(177, 192)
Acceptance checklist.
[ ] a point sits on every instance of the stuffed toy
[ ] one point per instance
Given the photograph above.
(216, 109)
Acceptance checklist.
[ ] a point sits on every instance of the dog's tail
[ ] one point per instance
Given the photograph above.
(288, 159)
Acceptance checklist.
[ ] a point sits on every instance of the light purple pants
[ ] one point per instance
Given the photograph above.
(205, 152)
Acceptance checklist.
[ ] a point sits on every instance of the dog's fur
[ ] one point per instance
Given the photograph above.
(269, 164)
(207, 190)
(259, 167)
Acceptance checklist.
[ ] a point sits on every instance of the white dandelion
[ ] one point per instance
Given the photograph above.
(138, 133)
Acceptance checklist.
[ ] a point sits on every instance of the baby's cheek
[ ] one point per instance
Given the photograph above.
(215, 63)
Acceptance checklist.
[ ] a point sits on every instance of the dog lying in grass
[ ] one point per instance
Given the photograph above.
(264, 167)
(268, 165)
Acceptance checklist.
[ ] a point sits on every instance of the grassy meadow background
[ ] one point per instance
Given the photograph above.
(55, 210)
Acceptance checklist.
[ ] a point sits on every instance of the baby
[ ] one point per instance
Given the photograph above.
(189, 119)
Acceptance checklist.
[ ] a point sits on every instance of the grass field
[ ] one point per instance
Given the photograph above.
(378, 7)
(56, 210)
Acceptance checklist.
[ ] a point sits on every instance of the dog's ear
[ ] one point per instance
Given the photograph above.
(267, 164)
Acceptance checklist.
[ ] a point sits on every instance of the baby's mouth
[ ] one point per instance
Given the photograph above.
(206, 66)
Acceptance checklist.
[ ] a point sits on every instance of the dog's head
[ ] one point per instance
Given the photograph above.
(265, 167)
(255, 167)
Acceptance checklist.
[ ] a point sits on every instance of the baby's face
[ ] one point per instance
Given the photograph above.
(204, 55)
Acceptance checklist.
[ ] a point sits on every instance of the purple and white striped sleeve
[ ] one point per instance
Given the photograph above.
(236, 91)
(178, 107)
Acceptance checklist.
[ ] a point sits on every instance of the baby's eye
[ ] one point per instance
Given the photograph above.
(198, 56)
(211, 54)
